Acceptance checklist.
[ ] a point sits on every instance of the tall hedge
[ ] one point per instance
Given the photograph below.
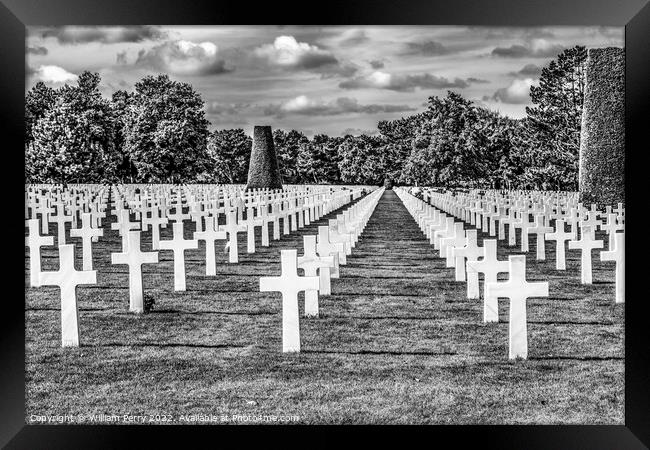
(602, 138)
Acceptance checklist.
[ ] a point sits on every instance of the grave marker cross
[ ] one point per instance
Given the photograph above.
(232, 228)
(540, 231)
(289, 284)
(209, 235)
(586, 244)
(559, 236)
(518, 290)
(618, 255)
(471, 251)
(178, 245)
(611, 227)
(35, 241)
(314, 265)
(123, 225)
(86, 233)
(67, 278)
(61, 218)
(325, 247)
(489, 266)
(134, 257)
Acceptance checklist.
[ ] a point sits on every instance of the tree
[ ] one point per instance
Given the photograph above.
(399, 135)
(74, 140)
(288, 147)
(38, 101)
(318, 161)
(120, 104)
(362, 159)
(506, 141)
(230, 152)
(441, 153)
(165, 131)
(553, 124)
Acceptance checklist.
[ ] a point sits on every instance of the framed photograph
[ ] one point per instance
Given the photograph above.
(378, 213)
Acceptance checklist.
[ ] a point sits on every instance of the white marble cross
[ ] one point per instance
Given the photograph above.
(325, 247)
(232, 228)
(511, 221)
(43, 209)
(197, 214)
(560, 237)
(35, 241)
(489, 266)
(518, 290)
(61, 218)
(586, 244)
(525, 224)
(178, 245)
(611, 227)
(540, 231)
(572, 219)
(265, 220)
(178, 215)
(470, 251)
(209, 235)
(591, 223)
(443, 232)
(338, 235)
(86, 233)
(289, 284)
(315, 265)
(134, 258)
(618, 255)
(155, 221)
(67, 278)
(250, 223)
(447, 244)
(619, 210)
(124, 225)
(97, 216)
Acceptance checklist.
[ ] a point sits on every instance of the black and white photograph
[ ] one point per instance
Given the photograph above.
(301, 224)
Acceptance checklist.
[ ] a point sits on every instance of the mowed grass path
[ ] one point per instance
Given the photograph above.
(397, 342)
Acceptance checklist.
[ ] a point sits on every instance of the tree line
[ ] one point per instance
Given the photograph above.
(159, 134)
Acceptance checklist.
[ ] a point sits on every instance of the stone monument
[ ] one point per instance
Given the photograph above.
(263, 169)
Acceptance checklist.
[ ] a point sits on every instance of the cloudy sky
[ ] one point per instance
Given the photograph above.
(325, 79)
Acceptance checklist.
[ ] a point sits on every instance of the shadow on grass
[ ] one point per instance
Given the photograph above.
(379, 352)
(165, 345)
(576, 358)
(568, 322)
(230, 313)
(384, 317)
(59, 309)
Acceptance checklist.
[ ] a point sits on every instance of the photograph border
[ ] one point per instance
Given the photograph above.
(634, 15)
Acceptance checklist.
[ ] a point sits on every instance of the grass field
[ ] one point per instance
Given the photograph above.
(397, 342)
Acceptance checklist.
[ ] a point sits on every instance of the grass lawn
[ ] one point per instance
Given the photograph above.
(396, 342)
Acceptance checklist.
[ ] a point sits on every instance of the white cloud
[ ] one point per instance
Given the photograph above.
(184, 58)
(106, 35)
(535, 48)
(54, 74)
(304, 105)
(353, 37)
(402, 83)
(203, 49)
(517, 93)
(299, 103)
(287, 52)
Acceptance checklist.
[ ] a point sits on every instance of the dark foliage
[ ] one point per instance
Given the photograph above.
(159, 133)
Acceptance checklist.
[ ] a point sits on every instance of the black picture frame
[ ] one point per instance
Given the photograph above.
(633, 14)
